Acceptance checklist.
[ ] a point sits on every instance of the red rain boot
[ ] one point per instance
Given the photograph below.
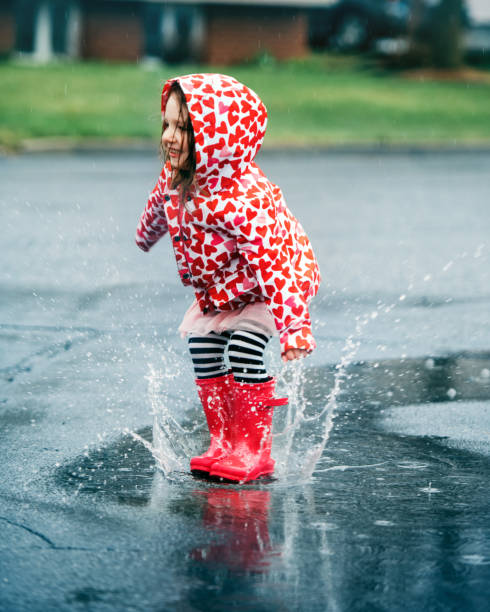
(251, 434)
(215, 396)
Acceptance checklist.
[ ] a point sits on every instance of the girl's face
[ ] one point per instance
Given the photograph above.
(175, 134)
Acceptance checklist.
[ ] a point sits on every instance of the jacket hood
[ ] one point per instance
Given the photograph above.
(229, 122)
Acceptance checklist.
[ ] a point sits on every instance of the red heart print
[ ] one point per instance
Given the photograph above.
(226, 183)
(270, 290)
(196, 108)
(297, 310)
(222, 128)
(250, 214)
(247, 284)
(279, 282)
(278, 312)
(300, 343)
(222, 257)
(266, 275)
(217, 239)
(209, 249)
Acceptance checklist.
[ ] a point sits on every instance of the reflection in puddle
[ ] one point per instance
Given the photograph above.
(240, 517)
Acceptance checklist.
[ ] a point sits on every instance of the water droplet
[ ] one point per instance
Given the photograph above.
(475, 560)
(430, 489)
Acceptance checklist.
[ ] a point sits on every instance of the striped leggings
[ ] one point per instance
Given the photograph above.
(245, 353)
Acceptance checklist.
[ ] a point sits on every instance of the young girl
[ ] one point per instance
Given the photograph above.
(247, 258)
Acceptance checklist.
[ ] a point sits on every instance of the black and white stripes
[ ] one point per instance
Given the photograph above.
(208, 355)
(245, 353)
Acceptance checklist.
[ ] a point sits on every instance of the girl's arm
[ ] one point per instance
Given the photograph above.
(266, 254)
(153, 222)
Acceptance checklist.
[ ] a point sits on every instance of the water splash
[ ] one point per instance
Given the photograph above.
(314, 430)
(301, 430)
(176, 435)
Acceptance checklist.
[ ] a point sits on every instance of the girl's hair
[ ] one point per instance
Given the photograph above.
(184, 176)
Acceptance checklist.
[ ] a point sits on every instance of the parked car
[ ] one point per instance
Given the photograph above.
(352, 25)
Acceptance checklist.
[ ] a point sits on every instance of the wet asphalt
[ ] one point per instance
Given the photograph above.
(395, 514)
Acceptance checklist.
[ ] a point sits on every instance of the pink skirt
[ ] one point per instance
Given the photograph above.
(251, 317)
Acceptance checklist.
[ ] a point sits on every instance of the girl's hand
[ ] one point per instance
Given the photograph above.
(295, 353)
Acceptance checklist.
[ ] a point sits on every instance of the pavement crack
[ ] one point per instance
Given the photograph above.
(33, 532)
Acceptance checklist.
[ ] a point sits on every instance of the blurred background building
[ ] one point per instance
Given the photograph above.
(215, 31)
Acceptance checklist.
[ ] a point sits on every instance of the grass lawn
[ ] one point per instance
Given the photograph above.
(320, 101)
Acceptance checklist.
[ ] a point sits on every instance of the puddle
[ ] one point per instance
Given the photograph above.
(462, 424)
(462, 376)
(121, 471)
(372, 394)
(387, 516)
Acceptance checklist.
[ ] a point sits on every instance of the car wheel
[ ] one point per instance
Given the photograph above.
(351, 33)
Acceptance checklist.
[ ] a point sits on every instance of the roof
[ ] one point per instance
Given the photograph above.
(264, 3)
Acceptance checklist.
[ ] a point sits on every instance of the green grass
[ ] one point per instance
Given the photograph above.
(320, 101)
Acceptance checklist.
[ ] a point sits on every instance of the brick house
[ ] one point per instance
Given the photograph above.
(214, 31)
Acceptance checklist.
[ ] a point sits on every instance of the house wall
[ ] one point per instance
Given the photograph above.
(236, 34)
(112, 31)
(7, 28)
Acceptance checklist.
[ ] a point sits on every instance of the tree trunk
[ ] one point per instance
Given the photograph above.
(436, 33)
(447, 51)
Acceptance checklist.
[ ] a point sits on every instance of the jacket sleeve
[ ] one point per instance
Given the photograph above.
(153, 222)
(265, 247)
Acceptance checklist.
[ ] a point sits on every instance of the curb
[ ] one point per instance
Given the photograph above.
(148, 147)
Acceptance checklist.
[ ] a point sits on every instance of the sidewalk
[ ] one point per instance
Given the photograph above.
(67, 145)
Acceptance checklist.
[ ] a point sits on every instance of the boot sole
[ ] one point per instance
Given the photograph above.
(264, 479)
(268, 470)
(197, 472)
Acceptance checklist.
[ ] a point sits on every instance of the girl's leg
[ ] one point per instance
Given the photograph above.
(214, 390)
(208, 354)
(246, 355)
